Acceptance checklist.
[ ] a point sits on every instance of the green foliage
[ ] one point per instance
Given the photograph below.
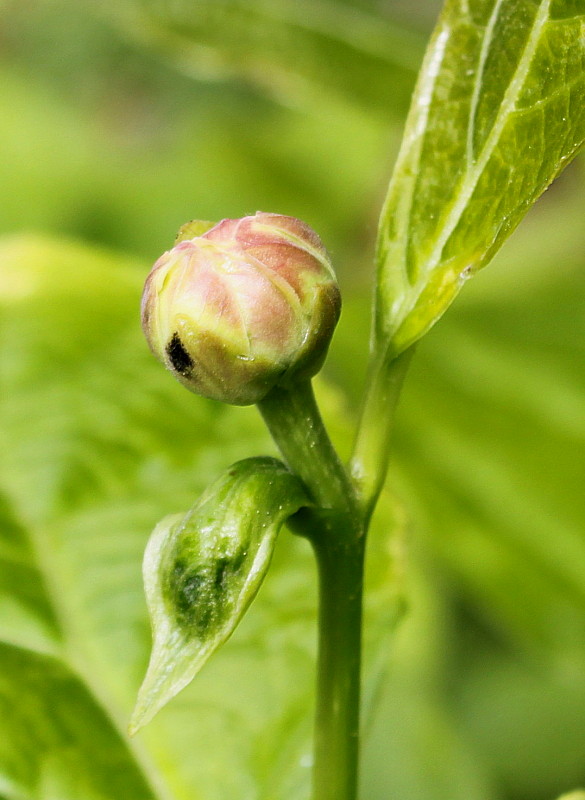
(203, 569)
(480, 696)
(88, 465)
(287, 47)
(498, 112)
(97, 444)
(128, 175)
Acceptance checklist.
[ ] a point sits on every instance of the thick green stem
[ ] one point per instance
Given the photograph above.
(293, 419)
(336, 533)
(340, 560)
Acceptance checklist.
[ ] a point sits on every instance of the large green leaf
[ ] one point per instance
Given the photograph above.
(497, 114)
(97, 444)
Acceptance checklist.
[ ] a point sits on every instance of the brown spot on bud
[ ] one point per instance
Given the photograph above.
(180, 359)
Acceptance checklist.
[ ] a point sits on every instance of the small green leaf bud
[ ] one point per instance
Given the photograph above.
(204, 568)
(245, 306)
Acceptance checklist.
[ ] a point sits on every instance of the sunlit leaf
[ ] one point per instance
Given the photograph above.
(497, 114)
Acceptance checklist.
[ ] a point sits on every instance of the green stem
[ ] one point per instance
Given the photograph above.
(369, 463)
(336, 533)
(335, 768)
(293, 419)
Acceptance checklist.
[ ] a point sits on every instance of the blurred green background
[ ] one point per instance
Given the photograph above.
(119, 121)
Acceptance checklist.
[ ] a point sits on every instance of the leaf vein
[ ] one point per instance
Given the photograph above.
(507, 107)
(485, 47)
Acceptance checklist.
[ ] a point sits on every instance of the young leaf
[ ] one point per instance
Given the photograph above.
(497, 114)
(202, 570)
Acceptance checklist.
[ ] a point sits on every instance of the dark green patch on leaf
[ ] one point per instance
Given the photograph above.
(202, 570)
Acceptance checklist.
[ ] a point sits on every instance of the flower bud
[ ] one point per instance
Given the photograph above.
(248, 305)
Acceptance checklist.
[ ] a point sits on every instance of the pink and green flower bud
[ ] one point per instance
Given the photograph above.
(248, 305)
